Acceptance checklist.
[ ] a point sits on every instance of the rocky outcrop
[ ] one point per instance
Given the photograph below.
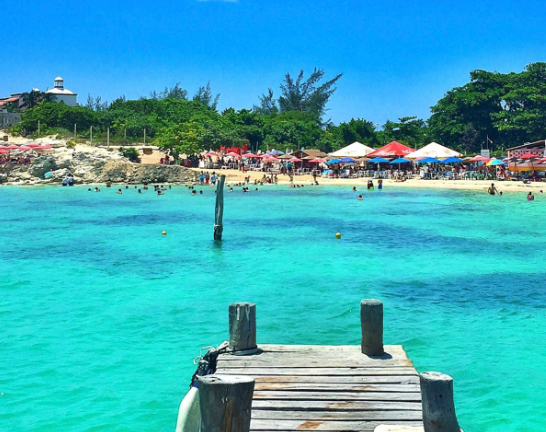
(93, 166)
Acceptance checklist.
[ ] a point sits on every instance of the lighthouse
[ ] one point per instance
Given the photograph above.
(62, 94)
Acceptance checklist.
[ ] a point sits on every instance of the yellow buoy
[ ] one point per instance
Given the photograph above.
(338, 235)
(163, 232)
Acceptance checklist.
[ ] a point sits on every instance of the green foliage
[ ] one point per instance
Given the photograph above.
(177, 139)
(130, 153)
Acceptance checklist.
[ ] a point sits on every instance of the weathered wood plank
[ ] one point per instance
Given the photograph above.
(315, 405)
(307, 362)
(336, 387)
(321, 349)
(383, 416)
(337, 396)
(323, 426)
(358, 380)
(319, 371)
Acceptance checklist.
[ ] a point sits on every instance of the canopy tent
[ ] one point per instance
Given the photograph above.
(433, 150)
(354, 150)
(391, 149)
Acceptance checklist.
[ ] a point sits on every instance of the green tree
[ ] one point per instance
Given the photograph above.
(176, 139)
(204, 96)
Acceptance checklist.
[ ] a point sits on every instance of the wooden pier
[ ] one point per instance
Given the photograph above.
(328, 388)
(247, 387)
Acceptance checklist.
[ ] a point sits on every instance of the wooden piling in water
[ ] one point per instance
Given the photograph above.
(371, 321)
(225, 402)
(242, 328)
(438, 404)
(219, 210)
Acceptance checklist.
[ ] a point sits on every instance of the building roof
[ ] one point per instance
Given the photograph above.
(537, 144)
(59, 79)
(58, 91)
(310, 152)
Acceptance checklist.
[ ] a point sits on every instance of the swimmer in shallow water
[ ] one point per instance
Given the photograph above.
(119, 192)
(360, 197)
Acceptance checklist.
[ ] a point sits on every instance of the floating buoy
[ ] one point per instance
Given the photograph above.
(338, 235)
(163, 232)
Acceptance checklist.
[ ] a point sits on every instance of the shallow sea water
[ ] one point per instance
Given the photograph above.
(102, 315)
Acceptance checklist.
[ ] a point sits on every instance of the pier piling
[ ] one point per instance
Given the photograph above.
(371, 321)
(242, 328)
(219, 209)
(438, 405)
(225, 403)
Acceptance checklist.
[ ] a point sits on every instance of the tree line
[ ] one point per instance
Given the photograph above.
(498, 109)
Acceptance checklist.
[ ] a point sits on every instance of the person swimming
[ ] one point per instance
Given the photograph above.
(360, 198)
(119, 192)
(194, 192)
(530, 196)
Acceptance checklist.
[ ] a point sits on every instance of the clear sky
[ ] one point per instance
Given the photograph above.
(398, 57)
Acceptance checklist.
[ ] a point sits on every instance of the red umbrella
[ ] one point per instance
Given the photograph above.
(233, 155)
(269, 158)
(317, 160)
(25, 148)
(210, 154)
(479, 158)
(391, 149)
(13, 147)
(33, 145)
(294, 159)
(249, 155)
(4, 150)
(44, 147)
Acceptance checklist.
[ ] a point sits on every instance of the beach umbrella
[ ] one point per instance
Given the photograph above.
(210, 154)
(233, 155)
(276, 152)
(399, 161)
(4, 151)
(451, 160)
(379, 160)
(12, 147)
(347, 160)
(495, 162)
(479, 158)
(33, 145)
(391, 149)
(333, 161)
(44, 147)
(429, 160)
(294, 159)
(249, 155)
(317, 160)
(25, 148)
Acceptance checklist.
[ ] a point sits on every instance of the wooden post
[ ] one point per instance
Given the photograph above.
(242, 328)
(371, 321)
(219, 210)
(438, 405)
(91, 134)
(226, 403)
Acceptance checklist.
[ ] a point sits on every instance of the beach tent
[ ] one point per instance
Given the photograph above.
(391, 149)
(433, 150)
(353, 150)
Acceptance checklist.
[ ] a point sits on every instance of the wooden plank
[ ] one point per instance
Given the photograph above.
(362, 380)
(306, 362)
(315, 405)
(336, 387)
(319, 371)
(323, 426)
(383, 416)
(356, 349)
(338, 396)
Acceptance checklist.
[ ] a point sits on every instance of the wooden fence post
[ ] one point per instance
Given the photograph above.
(371, 321)
(242, 328)
(438, 405)
(219, 210)
(225, 403)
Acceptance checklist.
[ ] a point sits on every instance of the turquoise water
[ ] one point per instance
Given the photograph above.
(102, 315)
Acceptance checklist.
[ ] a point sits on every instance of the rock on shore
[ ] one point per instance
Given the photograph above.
(91, 165)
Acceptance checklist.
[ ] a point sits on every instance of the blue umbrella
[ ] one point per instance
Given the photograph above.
(275, 152)
(399, 161)
(333, 161)
(429, 160)
(378, 159)
(451, 160)
(347, 160)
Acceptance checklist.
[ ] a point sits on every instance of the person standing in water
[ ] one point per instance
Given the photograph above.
(492, 190)
(370, 185)
(380, 184)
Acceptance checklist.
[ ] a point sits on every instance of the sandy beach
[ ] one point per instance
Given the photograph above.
(235, 176)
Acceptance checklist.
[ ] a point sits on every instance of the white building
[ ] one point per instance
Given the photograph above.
(63, 95)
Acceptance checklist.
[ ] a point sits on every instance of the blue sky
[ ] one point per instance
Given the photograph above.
(398, 57)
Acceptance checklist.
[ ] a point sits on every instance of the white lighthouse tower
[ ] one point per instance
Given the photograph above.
(63, 95)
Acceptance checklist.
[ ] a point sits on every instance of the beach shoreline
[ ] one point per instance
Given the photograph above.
(236, 176)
